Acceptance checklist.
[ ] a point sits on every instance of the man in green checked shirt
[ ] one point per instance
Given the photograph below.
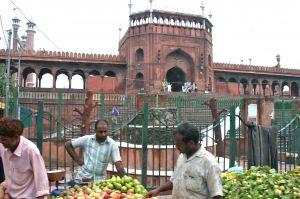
(98, 149)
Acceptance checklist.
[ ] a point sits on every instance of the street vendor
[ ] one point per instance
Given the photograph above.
(24, 168)
(98, 149)
(197, 174)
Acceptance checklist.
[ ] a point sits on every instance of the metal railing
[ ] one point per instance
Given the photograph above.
(146, 138)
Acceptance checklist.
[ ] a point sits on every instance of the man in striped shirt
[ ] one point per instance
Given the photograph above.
(98, 149)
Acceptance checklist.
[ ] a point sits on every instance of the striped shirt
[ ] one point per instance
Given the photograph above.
(96, 156)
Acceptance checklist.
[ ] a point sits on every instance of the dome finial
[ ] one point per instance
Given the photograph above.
(202, 8)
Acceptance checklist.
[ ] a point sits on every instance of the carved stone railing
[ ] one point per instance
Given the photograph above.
(257, 69)
(64, 56)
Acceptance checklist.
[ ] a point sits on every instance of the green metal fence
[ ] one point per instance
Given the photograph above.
(146, 137)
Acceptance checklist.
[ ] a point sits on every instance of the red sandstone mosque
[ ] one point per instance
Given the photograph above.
(159, 48)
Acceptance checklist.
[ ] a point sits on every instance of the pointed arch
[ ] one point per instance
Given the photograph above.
(110, 73)
(176, 77)
(94, 73)
(179, 53)
(139, 80)
(28, 77)
(139, 55)
(294, 89)
(45, 78)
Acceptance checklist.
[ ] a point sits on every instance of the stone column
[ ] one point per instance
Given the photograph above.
(290, 89)
(280, 89)
(53, 81)
(259, 88)
(70, 81)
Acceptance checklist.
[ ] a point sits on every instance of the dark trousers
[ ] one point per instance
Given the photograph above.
(1, 171)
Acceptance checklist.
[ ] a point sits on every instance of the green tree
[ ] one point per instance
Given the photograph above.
(2, 82)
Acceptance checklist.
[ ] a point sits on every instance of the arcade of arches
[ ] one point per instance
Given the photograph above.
(249, 86)
(60, 79)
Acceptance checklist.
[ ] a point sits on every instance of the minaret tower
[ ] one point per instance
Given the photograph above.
(24, 39)
(30, 35)
(151, 11)
(15, 26)
(203, 13)
(130, 7)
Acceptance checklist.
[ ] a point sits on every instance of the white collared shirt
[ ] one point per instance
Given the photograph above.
(198, 177)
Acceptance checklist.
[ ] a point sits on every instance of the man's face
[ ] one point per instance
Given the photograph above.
(101, 132)
(8, 142)
(180, 145)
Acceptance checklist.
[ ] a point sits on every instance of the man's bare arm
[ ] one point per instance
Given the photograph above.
(120, 168)
(71, 151)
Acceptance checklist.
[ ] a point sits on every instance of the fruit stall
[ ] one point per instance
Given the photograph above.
(262, 182)
(114, 188)
(255, 183)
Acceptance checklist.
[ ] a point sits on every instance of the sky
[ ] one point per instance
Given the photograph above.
(243, 29)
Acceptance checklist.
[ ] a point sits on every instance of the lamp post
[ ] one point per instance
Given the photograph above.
(20, 50)
(7, 73)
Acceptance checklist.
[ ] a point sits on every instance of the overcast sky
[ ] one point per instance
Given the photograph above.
(243, 29)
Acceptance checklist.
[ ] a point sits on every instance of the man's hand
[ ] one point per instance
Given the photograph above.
(120, 168)
(80, 162)
(2, 191)
(152, 193)
(164, 187)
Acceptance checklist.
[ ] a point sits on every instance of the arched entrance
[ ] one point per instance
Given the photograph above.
(176, 77)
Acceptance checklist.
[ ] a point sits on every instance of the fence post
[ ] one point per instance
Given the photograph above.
(15, 104)
(39, 126)
(144, 143)
(102, 106)
(297, 132)
(232, 137)
(59, 115)
(179, 109)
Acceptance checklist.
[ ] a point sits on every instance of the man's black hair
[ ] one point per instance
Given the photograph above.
(101, 122)
(188, 132)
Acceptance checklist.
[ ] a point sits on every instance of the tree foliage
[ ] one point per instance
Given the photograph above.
(2, 82)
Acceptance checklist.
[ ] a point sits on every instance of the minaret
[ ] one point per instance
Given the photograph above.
(24, 40)
(130, 7)
(278, 61)
(120, 29)
(210, 15)
(30, 35)
(15, 26)
(151, 10)
(203, 8)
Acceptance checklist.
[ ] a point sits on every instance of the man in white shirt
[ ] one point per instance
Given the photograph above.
(197, 174)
